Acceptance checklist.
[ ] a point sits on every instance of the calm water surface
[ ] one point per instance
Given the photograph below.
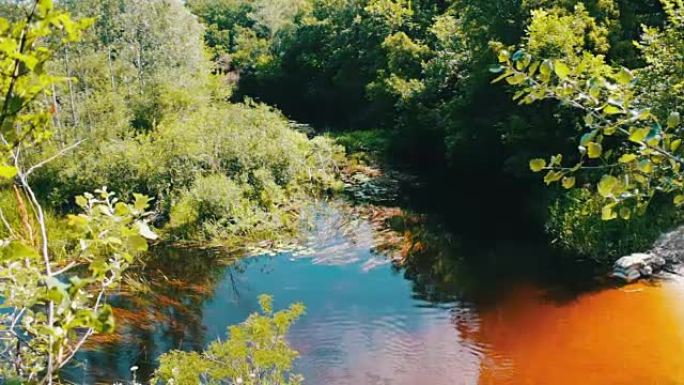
(369, 322)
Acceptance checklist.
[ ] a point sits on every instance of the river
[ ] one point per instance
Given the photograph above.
(369, 322)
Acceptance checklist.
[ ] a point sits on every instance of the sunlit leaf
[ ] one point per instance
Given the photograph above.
(561, 69)
(7, 172)
(639, 135)
(608, 212)
(552, 176)
(515, 79)
(673, 120)
(626, 158)
(537, 165)
(624, 76)
(606, 185)
(594, 150)
(679, 199)
(568, 182)
(611, 110)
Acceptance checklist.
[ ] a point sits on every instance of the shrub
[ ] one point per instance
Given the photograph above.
(219, 170)
(576, 227)
(256, 352)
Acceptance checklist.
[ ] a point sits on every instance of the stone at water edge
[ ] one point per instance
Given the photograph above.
(630, 275)
(634, 266)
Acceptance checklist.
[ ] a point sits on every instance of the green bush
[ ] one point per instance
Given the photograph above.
(216, 208)
(576, 226)
(219, 170)
(256, 352)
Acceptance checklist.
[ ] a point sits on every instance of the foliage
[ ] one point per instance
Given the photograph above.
(575, 226)
(52, 301)
(631, 145)
(374, 142)
(255, 352)
(139, 97)
(222, 171)
(54, 306)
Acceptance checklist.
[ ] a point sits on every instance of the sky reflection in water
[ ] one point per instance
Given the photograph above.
(366, 323)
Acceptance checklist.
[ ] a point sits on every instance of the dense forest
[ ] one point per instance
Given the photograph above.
(212, 123)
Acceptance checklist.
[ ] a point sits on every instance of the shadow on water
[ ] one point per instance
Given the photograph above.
(392, 298)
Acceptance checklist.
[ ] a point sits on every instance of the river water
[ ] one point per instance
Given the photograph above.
(371, 322)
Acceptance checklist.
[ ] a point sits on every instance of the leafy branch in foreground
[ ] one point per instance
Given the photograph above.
(629, 148)
(255, 353)
(51, 304)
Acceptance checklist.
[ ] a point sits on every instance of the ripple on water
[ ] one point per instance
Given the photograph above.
(367, 325)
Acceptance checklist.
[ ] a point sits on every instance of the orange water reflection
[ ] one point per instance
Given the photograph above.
(628, 335)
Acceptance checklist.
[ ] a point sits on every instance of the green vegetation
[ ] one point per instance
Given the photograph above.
(256, 352)
(180, 101)
(150, 116)
(419, 72)
(54, 293)
(135, 108)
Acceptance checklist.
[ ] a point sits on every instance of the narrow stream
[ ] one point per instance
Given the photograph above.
(369, 322)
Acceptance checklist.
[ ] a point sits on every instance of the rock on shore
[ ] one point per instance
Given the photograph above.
(668, 250)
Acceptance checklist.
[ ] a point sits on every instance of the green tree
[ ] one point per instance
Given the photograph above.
(630, 140)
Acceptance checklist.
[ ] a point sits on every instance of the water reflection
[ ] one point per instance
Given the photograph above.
(449, 317)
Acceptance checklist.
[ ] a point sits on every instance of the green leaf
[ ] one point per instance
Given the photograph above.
(561, 69)
(502, 77)
(16, 250)
(673, 120)
(137, 243)
(644, 114)
(546, 67)
(606, 185)
(645, 166)
(533, 68)
(504, 55)
(624, 76)
(675, 145)
(607, 212)
(515, 79)
(611, 110)
(141, 202)
(537, 165)
(552, 176)
(595, 89)
(44, 6)
(639, 135)
(625, 213)
(81, 201)
(98, 267)
(594, 150)
(568, 182)
(7, 172)
(679, 200)
(626, 158)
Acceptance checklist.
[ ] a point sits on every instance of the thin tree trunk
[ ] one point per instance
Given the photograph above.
(74, 113)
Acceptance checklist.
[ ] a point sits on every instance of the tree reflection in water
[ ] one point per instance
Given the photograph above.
(182, 298)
